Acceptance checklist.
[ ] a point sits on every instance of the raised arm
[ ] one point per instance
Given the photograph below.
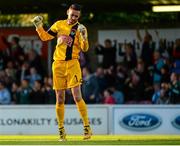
(138, 35)
(44, 35)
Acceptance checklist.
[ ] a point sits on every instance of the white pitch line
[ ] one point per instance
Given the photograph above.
(83, 145)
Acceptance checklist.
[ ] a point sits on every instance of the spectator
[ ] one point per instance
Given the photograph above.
(176, 66)
(24, 92)
(118, 95)
(37, 96)
(162, 48)
(6, 79)
(14, 51)
(10, 70)
(5, 96)
(147, 48)
(145, 78)
(108, 51)
(15, 92)
(121, 74)
(90, 87)
(129, 56)
(108, 98)
(102, 82)
(34, 75)
(158, 64)
(164, 97)
(134, 89)
(165, 76)
(176, 50)
(156, 93)
(110, 76)
(50, 97)
(175, 89)
(34, 61)
(23, 72)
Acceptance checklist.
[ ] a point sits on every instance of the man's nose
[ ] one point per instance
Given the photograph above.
(73, 17)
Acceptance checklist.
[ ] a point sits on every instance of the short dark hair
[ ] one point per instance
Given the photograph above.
(16, 39)
(75, 7)
(108, 41)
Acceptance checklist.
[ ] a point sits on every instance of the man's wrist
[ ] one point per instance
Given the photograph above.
(39, 28)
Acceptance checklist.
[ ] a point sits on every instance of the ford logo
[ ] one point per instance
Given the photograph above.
(176, 122)
(140, 122)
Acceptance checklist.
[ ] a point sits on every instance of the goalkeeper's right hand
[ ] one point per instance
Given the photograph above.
(37, 21)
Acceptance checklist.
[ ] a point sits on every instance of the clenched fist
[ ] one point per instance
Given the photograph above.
(38, 21)
(83, 31)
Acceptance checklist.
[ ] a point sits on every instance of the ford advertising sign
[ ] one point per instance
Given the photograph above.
(140, 122)
(176, 122)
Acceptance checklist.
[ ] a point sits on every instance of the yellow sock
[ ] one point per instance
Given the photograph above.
(81, 106)
(60, 114)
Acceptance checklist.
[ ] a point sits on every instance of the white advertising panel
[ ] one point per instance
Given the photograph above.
(146, 119)
(42, 120)
(123, 36)
(130, 35)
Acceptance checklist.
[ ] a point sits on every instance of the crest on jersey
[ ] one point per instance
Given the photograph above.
(73, 31)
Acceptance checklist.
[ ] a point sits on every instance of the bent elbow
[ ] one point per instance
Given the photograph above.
(43, 38)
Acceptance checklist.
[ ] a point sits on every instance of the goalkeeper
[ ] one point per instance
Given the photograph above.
(71, 39)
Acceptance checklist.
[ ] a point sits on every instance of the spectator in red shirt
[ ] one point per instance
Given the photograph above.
(108, 98)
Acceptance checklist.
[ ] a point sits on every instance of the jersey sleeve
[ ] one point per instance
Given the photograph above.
(54, 28)
(47, 35)
(44, 35)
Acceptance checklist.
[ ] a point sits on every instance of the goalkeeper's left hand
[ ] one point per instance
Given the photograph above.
(38, 21)
(83, 31)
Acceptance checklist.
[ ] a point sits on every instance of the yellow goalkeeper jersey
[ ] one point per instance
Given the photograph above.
(64, 51)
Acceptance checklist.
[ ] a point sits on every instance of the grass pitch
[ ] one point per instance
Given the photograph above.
(96, 140)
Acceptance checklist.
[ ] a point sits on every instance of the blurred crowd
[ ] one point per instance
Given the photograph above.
(146, 74)
(149, 77)
(23, 78)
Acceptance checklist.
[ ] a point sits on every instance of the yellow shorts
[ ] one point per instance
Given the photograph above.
(66, 74)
